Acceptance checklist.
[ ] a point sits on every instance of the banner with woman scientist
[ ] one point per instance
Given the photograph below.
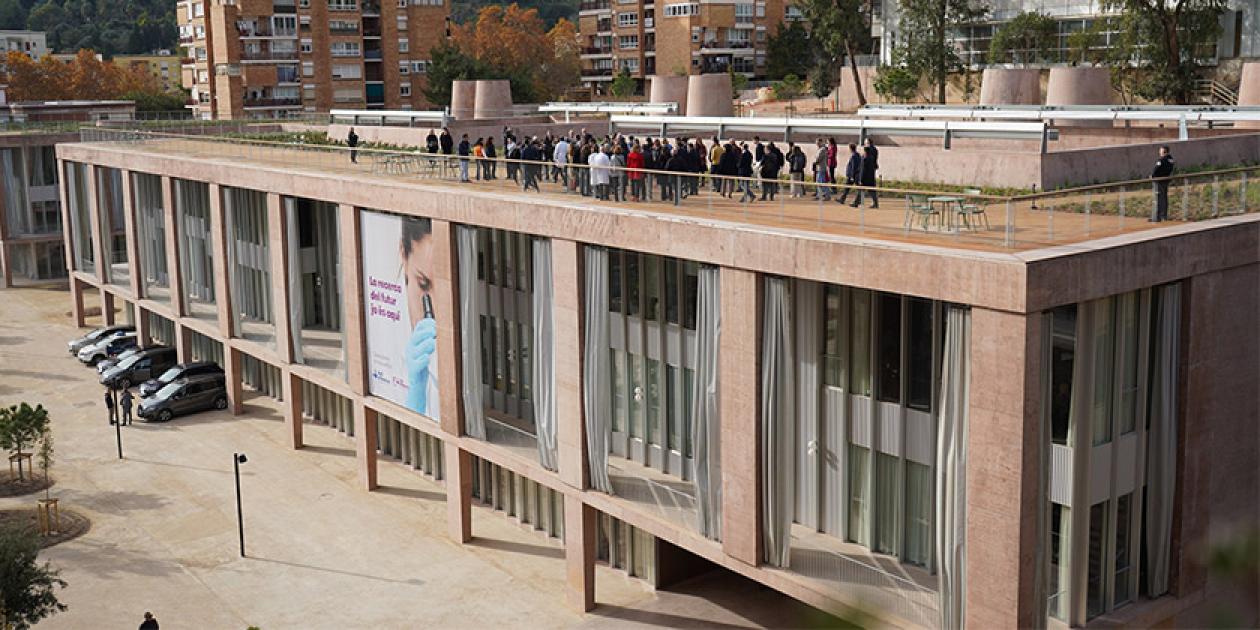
(398, 311)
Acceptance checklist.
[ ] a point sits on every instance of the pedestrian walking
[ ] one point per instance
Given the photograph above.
(149, 623)
(464, 151)
(1164, 167)
(852, 172)
(352, 141)
(822, 190)
(635, 162)
(109, 406)
(796, 170)
(746, 174)
(492, 158)
(870, 165)
(124, 403)
(529, 169)
(560, 159)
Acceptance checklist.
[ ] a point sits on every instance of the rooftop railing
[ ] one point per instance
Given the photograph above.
(931, 215)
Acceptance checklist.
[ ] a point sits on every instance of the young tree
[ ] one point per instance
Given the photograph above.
(896, 83)
(21, 426)
(622, 85)
(787, 89)
(1028, 38)
(449, 64)
(26, 587)
(838, 29)
(924, 47)
(822, 79)
(1174, 34)
(46, 461)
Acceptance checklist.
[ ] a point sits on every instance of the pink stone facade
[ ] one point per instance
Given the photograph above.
(1010, 86)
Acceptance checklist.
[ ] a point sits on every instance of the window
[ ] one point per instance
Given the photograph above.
(695, 34)
(628, 42)
(919, 354)
(627, 19)
(1095, 596)
(345, 49)
(305, 46)
(401, 23)
(889, 348)
(859, 506)
(404, 45)
(791, 13)
(1127, 357)
(308, 69)
(918, 549)
(887, 494)
(347, 95)
(1060, 577)
(682, 10)
(347, 71)
(342, 5)
(1104, 330)
(404, 67)
(860, 343)
(743, 13)
(404, 89)
(630, 65)
(1062, 366)
(420, 66)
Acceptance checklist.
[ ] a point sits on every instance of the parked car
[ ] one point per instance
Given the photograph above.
(186, 395)
(104, 366)
(139, 367)
(97, 335)
(106, 348)
(183, 370)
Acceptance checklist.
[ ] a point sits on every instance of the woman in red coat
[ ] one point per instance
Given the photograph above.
(634, 163)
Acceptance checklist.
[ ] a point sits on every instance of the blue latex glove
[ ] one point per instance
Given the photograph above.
(420, 349)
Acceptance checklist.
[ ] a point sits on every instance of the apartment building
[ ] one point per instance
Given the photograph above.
(646, 38)
(165, 67)
(932, 430)
(33, 43)
(271, 58)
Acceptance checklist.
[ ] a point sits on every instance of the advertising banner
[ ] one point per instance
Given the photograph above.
(398, 311)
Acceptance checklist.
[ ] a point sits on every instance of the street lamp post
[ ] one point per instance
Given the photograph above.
(237, 460)
(117, 421)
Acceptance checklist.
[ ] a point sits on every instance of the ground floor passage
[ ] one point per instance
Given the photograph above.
(321, 553)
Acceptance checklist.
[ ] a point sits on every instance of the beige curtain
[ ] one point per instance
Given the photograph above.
(596, 380)
(778, 423)
(1161, 440)
(705, 425)
(951, 465)
(470, 309)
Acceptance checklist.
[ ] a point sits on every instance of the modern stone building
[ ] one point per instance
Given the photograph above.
(933, 430)
(646, 38)
(269, 58)
(30, 208)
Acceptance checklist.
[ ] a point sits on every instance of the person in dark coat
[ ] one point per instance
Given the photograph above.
(852, 172)
(770, 165)
(671, 187)
(1164, 167)
(352, 141)
(431, 142)
(465, 150)
(124, 403)
(109, 406)
(728, 167)
(745, 174)
(869, 166)
(530, 156)
(149, 623)
(446, 142)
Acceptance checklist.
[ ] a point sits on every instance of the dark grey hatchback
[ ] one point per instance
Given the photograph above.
(183, 370)
(184, 396)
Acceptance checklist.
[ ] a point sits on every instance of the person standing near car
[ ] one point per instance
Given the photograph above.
(109, 405)
(124, 403)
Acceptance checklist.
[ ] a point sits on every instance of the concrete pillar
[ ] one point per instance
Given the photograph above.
(1249, 91)
(144, 333)
(94, 217)
(579, 553)
(446, 312)
(183, 343)
(219, 263)
(6, 265)
(353, 333)
(463, 99)
(567, 281)
(232, 377)
(175, 280)
(67, 240)
(107, 306)
(1079, 85)
(458, 492)
(133, 238)
(1010, 86)
(663, 88)
(291, 391)
(278, 245)
(739, 380)
(76, 301)
(710, 95)
(492, 99)
(1004, 442)
(365, 444)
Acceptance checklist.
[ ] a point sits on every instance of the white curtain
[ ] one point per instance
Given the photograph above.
(470, 309)
(596, 383)
(295, 276)
(543, 360)
(1161, 440)
(778, 422)
(227, 205)
(951, 463)
(706, 424)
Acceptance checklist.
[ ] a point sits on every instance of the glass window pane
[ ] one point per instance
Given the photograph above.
(1095, 599)
(614, 281)
(918, 513)
(831, 336)
(1124, 510)
(671, 291)
(636, 395)
(672, 408)
(1127, 355)
(510, 354)
(859, 515)
(525, 367)
(688, 387)
(525, 264)
(1104, 328)
(1060, 578)
(651, 288)
(860, 343)
(1062, 364)
(632, 284)
(487, 350)
(618, 371)
(690, 293)
(654, 401)
(919, 370)
(887, 478)
(889, 348)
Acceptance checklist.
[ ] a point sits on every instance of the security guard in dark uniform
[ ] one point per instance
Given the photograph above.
(1163, 170)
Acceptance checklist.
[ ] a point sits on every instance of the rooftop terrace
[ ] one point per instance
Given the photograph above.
(958, 220)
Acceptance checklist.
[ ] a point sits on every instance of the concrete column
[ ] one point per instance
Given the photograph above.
(67, 244)
(133, 237)
(107, 306)
(232, 377)
(365, 444)
(567, 281)
(278, 244)
(739, 383)
(143, 331)
(579, 553)
(6, 266)
(76, 301)
(183, 343)
(219, 262)
(291, 390)
(446, 311)
(353, 333)
(94, 217)
(1004, 442)
(175, 280)
(458, 492)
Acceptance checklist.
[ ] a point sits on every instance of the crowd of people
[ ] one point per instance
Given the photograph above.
(620, 167)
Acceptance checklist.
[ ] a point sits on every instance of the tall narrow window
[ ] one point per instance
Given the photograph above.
(860, 343)
(1104, 330)
(887, 496)
(919, 370)
(614, 281)
(1062, 363)
(632, 284)
(1095, 595)
(620, 403)
(1127, 357)
(889, 352)
(859, 505)
(1124, 565)
(636, 395)
(831, 337)
(1060, 577)
(918, 513)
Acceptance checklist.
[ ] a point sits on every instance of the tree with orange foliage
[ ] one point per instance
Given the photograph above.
(513, 43)
(85, 77)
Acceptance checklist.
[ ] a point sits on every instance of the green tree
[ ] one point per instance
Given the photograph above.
(21, 426)
(739, 82)
(26, 587)
(783, 51)
(1176, 35)
(45, 456)
(896, 83)
(156, 101)
(924, 47)
(623, 84)
(822, 79)
(787, 89)
(1028, 38)
(1089, 45)
(838, 30)
(12, 15)
(449, 64)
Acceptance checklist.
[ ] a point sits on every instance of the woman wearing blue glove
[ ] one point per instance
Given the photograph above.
(416, 253)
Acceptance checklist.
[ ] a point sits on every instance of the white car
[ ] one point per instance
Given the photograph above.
(107, 348)
(97, 335)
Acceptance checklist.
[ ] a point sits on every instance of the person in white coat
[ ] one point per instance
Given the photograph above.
(560, 157)
(599, 172)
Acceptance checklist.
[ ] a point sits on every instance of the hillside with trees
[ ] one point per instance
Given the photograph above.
(110, 27)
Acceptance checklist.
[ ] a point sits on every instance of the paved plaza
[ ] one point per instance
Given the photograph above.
(322, 553)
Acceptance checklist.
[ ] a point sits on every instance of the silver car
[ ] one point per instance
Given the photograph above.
(96, 335)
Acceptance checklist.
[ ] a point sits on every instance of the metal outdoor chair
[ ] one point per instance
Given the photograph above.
(918, 209)
(973, 209)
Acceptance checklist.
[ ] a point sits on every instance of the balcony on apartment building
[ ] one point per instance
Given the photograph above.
(371, 9)
(588, 73)
(248, 30)
(263, 51)
(372, 27)
(727, 45)
(267, 102)
(601, 51)
(597, 5)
